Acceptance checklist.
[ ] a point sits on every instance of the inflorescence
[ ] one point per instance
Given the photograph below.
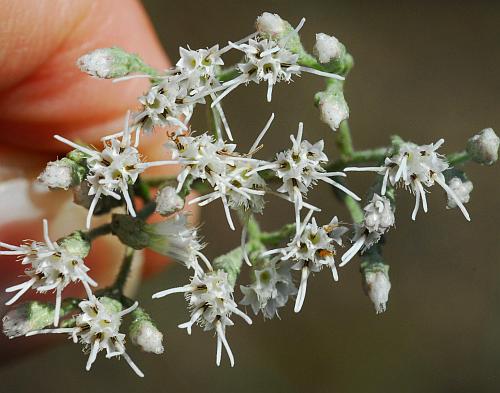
(280, 262)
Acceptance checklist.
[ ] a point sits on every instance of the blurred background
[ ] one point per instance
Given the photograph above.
(424, 70)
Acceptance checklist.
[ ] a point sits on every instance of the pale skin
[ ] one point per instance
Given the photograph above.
(42, 92)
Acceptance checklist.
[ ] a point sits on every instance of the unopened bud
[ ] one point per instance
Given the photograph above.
(62, 173)
(377, 286)
(109, 63)
(327, 48)
(333, 109)
(33, 316)
(168, 201)
(462, 190)
(270, 24)
(144, 333)
(76, 244)
(483, 147)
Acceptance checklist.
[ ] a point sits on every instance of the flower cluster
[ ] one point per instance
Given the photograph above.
(210, 298)
(378, 218)
(414, 167)
(97, 328)
(51, 266)
(113, 180)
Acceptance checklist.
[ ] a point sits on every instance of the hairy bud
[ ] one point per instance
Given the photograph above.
(483, 147)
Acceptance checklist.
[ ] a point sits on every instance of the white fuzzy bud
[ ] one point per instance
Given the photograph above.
(483, 147)
(27, 317)
(147, 337)
(327, 48)
(462, 190)
(57, 174)
(377, 287)
(333, 110)
(109, 63)
(270, 24)
(168, 201)
(16, 323)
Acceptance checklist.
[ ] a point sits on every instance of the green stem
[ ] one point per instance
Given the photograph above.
(101, 230)
(147, 210)
(458, 158)
(141, 189)
(122, 276)
(277, 237)
(344, 141)
(354, 208)
(228, 74)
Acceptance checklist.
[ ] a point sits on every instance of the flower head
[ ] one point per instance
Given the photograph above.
(312, 248)
(211, 302)
(173, 237)
(378, 218)
(98, 328)
(416, 167)
(52, 266)
(112, 170)
(300, 168)
(271, 287)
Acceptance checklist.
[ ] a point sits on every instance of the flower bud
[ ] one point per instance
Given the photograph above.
(76, 244)
(326, 48)
(33, 316)
(131, 231)
(270, 24)
(109, 63)
(483, 147)
(144, 333)
(377, 286)
(62, 173)
(462, 190)
(168, 201)
(333, 109)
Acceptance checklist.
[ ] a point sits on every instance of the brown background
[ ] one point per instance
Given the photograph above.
(424, 70)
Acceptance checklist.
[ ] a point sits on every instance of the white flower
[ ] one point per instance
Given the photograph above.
(200, 65)
(52, 266)
(112, 170)
(57, 174)
(415, 167)
(462, 190)
(266, 60)
(300, 168)
(173, 237)
(164, 105)
(270, 24)
(377, 287)
(98, 328)
(270, 290)
(211, 302)
(312, 248)
(232, 175)
(326, 48)
(378, 218)
(483, 147)
(333, 110)
(168, 201)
